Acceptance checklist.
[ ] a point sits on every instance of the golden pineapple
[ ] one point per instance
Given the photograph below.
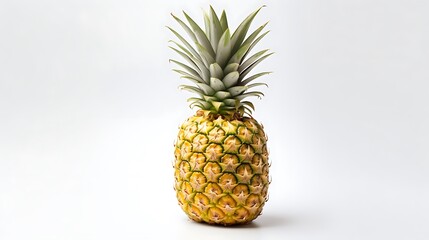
(221, 158)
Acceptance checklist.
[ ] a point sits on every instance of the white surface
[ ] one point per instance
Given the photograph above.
(89, 110)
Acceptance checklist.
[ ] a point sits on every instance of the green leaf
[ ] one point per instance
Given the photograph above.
(190, 70)
(230, 102)
(251, 60)
(186, 57)
(256, 85)
(253, 65)
(250, 104)
(201, 36)
(247, 80)
(185, 50)
(205, 75)
(231, 68)
(221, 95)
(224, 49)
(250, 94)
(216, 84)
(206, 89)
(199, 101)
(188, 76)
(207, 24)
(193, 79)
(241, 110)
(236, 58)
(183, 40)
(227, 108)
(207, 58)
(224, 21)
(237, 90)
(252, 36)
(217, 105)
(240, 33)
(209, 98)
(181, 72)
(192, 89)
(216, 71)
(253, 44)
(231, 79)
(247, 110)
(187, 29)
(240, 55)
(215, 29)
(196, 104)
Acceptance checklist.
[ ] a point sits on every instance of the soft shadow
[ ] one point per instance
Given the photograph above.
(239, 226)
(263, 221)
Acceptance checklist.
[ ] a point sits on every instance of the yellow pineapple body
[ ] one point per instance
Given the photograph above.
(221, 169)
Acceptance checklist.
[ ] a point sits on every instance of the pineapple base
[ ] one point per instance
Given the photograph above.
(221, 169)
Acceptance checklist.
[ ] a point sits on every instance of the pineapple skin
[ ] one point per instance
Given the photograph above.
(221, 169)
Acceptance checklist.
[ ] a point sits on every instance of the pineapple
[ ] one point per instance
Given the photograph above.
(221, 158)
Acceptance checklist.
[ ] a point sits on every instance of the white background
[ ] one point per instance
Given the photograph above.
(89, 110)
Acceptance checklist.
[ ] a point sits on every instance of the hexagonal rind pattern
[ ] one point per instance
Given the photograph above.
(221, 169)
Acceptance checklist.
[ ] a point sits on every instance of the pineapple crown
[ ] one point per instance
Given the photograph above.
(218, 63)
